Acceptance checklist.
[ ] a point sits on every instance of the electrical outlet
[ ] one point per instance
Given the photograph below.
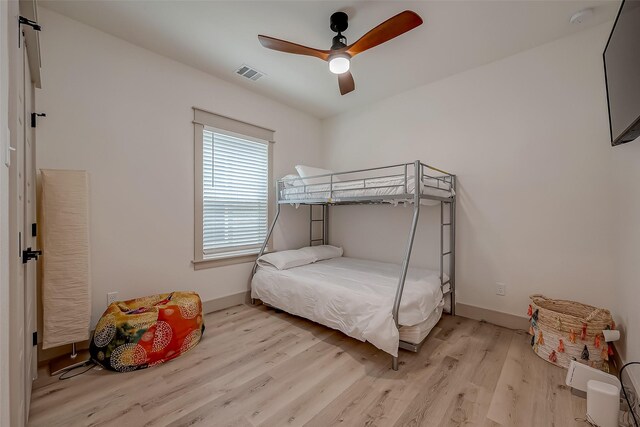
(501, 289)
(111, 297)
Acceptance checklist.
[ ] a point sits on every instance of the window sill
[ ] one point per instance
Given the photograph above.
(221, 261)
(202, 264)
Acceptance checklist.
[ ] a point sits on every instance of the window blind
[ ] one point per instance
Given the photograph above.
(235, 193)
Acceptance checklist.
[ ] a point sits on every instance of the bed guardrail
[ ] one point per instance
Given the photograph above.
(338, 187)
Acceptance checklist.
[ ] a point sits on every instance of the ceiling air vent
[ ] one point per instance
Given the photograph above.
(249, 72)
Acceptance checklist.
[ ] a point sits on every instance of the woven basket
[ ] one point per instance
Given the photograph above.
(562, 331)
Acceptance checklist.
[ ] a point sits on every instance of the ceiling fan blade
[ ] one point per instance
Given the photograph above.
(389, 29)
(288, 47)
(346, 83)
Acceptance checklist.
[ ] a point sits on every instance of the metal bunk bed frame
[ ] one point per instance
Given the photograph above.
(448, 182)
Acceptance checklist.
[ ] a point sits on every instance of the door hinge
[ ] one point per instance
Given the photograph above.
(25, 21)
(35, 338)
(34, 230)
(34, 116)
(29, 254)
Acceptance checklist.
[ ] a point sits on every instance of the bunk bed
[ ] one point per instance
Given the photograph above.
(392, 306)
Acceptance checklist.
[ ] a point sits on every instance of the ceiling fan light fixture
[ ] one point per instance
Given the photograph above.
(339, 64)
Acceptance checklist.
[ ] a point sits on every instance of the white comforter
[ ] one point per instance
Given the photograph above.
(352, 295)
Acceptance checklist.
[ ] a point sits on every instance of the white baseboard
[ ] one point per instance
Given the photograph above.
(225, 302)
(499, 318)
(44, 356)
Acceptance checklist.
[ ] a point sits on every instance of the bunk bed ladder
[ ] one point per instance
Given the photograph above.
(324, 219)
(448, 286)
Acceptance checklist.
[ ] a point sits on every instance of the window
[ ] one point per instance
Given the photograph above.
(235, 193)
(233, 177)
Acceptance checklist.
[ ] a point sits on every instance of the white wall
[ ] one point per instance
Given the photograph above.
(528, 138)
(626, 168)
(625, 164)
(124, 114)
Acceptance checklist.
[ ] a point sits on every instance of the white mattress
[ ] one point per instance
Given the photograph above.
(352, 295)
(389, 186)
(416, 333)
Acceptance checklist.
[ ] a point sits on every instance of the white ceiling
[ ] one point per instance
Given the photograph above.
(219, 36)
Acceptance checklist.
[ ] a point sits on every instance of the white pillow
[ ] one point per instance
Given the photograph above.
(322, 252)
(306, 171)
(292, 180)
(285, 260)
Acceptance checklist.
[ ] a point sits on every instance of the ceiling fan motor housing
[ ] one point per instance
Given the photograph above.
(339, 22)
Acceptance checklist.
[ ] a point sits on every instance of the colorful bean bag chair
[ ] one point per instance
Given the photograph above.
(143, 332)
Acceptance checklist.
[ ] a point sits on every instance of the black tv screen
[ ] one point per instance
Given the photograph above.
(622, 74)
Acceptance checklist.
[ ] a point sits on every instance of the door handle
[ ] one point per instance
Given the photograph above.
(29, 254)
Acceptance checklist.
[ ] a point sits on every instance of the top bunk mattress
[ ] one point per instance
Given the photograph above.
(352, 295)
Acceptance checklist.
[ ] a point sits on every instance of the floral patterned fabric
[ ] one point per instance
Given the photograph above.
(147, 331)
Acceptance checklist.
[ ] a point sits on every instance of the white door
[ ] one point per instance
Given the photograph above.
(23, 275)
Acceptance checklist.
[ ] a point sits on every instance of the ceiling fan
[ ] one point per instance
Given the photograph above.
(340, 54)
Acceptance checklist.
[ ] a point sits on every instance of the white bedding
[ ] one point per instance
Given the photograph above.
(390, 186)
(352, 295)
(416, 333)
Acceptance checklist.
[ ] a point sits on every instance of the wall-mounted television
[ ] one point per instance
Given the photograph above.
(622, 74)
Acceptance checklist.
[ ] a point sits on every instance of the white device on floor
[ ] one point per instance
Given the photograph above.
(603, 403)
(579, 375)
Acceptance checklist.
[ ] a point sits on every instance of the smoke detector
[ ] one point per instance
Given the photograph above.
(582, 15)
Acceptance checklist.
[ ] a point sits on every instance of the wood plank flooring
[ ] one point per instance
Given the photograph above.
(256, 367)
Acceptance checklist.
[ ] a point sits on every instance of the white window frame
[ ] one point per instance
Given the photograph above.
(214, 122)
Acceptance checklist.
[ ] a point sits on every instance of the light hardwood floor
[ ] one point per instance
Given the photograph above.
(258, 367)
